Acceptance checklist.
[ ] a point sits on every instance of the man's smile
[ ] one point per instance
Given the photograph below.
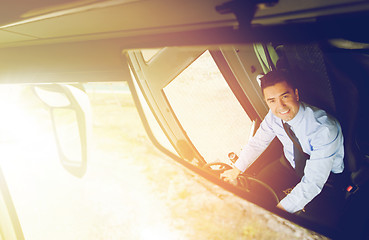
(284, 112)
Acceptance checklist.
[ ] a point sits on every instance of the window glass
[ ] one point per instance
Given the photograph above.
(208, 110)
(130, 190)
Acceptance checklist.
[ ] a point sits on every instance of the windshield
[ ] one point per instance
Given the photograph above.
(129, 191)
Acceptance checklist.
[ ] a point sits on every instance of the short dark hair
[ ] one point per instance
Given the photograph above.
(274, 77)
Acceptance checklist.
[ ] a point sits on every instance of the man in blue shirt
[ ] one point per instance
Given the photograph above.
(318, 133)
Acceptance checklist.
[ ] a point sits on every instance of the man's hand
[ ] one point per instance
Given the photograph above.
(230, 175)
(279, 205)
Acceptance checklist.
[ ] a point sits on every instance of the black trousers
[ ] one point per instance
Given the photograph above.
(280, 176)
(325, 208)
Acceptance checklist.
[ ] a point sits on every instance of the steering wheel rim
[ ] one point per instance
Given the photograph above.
(242, 180)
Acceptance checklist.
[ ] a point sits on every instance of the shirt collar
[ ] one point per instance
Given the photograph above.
(298, 116)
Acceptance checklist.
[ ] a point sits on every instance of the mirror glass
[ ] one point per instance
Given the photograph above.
(67, 133)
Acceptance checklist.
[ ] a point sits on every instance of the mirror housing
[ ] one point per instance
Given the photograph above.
(70, 112)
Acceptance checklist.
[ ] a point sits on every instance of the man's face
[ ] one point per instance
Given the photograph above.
(282, 100)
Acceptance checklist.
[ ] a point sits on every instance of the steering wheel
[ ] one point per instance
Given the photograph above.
(252, 185)
(247, 182)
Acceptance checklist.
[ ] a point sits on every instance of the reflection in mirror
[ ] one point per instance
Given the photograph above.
(208, 111)
(66, 125)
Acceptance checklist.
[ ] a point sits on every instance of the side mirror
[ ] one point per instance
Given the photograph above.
(70, 112)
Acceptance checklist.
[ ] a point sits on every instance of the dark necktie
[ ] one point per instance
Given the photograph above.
(299, 156)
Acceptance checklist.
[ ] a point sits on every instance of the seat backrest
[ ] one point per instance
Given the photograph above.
(306, 63)
(349, 71)
(324, 83)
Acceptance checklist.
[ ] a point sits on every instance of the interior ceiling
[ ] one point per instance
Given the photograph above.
(25, 22)
(12, 11)
(107, 19)
(64, 41)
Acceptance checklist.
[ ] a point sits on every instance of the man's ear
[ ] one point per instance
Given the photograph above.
(297, 94)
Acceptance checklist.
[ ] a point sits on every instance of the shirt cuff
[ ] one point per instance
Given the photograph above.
(289, 205)
(240, 165)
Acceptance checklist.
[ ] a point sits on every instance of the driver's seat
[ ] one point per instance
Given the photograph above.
(327, 80)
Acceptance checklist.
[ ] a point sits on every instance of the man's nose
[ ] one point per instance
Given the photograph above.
(280, 103)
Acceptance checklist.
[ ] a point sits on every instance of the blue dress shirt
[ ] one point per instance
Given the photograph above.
(320, 136)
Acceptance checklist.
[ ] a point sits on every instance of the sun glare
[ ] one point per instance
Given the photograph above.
(157, 232)
(19, 124)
